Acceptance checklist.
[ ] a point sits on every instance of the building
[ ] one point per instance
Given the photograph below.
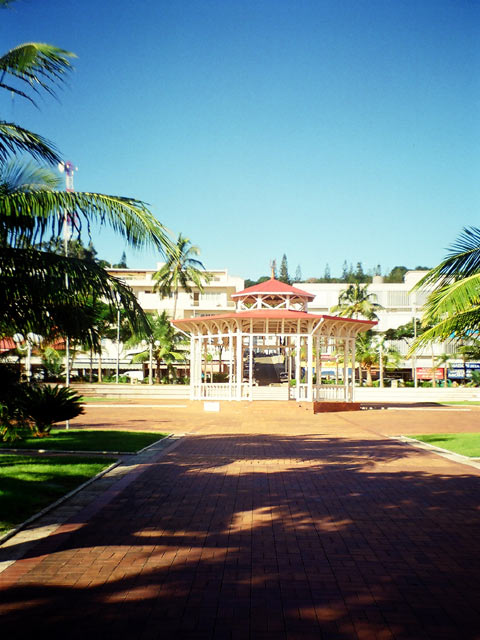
(215, 298)
(399, 306)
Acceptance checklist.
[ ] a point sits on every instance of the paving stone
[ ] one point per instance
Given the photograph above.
(264, 522)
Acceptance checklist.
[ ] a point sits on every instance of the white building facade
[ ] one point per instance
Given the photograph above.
(399, 306)
(215, 298)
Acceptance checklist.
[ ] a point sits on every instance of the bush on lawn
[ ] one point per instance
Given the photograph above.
(12, 420)
(44, 406)
(27, 408)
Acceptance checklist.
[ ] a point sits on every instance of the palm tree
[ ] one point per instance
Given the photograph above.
(34, 281)
(355, 301)
(443, 359)
(453, 307)
(32, 210)
(367, 355)
(165, 344)
(181, 270)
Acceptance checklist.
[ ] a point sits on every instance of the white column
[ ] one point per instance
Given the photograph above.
(318, 366)
(239, 366)
(199, 367)
(192, 367)
(352, 395)
(309, 368)
(298, 368)
(230, 364)
(346, 384)
(250, 369)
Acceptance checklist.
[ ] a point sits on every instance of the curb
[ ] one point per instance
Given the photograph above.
(165, 444)
(444, 453)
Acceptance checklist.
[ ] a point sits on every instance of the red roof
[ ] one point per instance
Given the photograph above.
(6, 344)
(279, 314)
(275, 287)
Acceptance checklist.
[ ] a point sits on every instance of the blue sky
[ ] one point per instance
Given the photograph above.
(326, 130)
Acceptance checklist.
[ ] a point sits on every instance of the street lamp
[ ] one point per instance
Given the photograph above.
(28, 342)
(118, 346)
(151, 342)
(379, 340)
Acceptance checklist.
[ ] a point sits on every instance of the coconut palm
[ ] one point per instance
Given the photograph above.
(35, 282)
(367, 355)
(165, 344)
(25, 70)
(32, 210)
(355, 301)
(453, 307)
(181, 270)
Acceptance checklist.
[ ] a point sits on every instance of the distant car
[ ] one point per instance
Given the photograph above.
(283, 376)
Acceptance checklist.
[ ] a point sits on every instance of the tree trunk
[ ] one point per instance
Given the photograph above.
(369, 377)
(175, 298)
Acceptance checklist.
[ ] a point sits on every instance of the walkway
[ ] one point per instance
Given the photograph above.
(267, 522)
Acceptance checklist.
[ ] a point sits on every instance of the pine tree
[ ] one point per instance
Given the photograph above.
(359, 273)
(284, 277)
(327, 275)
(123, 262)
(344, 276)
(298, 274)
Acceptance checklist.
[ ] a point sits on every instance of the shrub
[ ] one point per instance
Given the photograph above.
(45, 405)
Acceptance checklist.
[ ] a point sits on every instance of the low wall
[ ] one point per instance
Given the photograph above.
(420, 394)
(362, 394)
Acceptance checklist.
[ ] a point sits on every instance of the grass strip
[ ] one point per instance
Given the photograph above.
(466, 444)
(88, 440)
(89, 399)
(460, 402)
(28, 484)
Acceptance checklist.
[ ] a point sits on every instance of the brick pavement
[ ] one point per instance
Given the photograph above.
(267, 522)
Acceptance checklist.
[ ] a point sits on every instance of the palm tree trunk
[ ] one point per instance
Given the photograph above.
(369, 377)
(175, 298)
(100, 376)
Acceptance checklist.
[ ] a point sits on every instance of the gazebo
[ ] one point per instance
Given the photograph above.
(271, 322)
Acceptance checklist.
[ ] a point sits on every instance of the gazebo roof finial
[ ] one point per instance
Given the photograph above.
(273, 267)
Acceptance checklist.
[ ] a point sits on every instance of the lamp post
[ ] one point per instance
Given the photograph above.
(414, 357)
(31, 339)
(150, 358)
(151, 343)
(68, 221)
(118, 346)
(380, 346)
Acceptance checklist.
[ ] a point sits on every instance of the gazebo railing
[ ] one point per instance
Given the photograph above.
(220, 391)
(330, 392)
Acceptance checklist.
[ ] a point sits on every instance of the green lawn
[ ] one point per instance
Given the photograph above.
(460, 402)
(89, 399)
(88, 440)
(467, 444)
(28, 484)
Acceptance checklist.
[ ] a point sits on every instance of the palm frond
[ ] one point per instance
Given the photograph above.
(15, 139)
(453, 298)
(38, 299)
(47, 209)
(463, 260)
(452, 328)
(37, 65)
(20, 176)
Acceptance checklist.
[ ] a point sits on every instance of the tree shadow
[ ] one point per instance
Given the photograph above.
(345, 538)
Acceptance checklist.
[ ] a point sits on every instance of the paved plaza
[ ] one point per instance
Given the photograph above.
(262, 521)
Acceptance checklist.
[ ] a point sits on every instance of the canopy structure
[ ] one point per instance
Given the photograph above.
(271, 323)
